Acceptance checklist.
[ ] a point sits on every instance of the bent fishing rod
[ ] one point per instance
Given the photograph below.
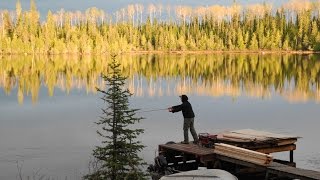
(152, 110)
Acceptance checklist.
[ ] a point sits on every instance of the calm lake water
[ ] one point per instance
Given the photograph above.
(48, 105)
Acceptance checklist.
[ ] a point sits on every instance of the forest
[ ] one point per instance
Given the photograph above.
(157, 28)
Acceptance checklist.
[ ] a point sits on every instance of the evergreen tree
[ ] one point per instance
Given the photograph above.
(285, 45)
(254, 43)
(240, 40)
(18, 10)
(118, 154)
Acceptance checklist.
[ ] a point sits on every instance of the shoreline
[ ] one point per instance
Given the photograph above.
(262, 52)
(224, 52)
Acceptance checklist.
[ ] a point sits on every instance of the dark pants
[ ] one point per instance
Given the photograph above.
(189, 123)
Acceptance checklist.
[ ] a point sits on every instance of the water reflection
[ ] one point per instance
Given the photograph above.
(294, 77)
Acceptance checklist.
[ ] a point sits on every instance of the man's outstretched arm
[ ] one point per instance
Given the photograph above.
(174, 109)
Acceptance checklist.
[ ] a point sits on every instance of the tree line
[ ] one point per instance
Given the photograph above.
(292, 27)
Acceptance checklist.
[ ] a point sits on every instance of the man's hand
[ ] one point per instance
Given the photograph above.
(170, 109)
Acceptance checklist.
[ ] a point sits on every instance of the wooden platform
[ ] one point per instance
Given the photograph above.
(252, 140)
(207, 156)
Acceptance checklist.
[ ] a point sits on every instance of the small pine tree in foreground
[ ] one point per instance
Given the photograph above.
(117, 157)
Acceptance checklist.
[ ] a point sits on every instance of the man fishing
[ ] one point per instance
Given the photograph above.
(188, 116)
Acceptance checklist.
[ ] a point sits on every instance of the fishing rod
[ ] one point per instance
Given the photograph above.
(154, 110)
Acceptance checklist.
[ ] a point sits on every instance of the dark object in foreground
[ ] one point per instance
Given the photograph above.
(201, 174)
(160, 168)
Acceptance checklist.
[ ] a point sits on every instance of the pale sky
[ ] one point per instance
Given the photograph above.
(112, 5)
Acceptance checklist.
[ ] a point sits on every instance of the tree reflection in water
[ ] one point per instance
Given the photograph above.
(294, 77)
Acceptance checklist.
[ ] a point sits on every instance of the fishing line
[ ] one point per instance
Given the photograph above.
(154, 110)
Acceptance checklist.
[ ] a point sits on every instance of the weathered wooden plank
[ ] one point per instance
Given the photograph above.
(232, 140)
(261, 162)
(277, 169)
(255, 133)
(241, 137)
(251, 139)
(254, 145)
(275, 149)
(235, 148)
(286, 142)
(242, 154)
(188, 148)
(292, 172)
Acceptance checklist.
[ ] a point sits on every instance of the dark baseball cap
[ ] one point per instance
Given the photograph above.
(184, 97)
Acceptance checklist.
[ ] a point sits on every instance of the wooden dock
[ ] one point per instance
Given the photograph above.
(184, 153)
(240, 152)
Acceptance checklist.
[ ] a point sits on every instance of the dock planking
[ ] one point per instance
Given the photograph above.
(278, 169)
(188, 148)
(292, 172)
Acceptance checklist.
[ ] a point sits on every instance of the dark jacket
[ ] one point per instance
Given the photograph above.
(186, 109)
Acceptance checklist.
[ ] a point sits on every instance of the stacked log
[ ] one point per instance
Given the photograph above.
(242, 154)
